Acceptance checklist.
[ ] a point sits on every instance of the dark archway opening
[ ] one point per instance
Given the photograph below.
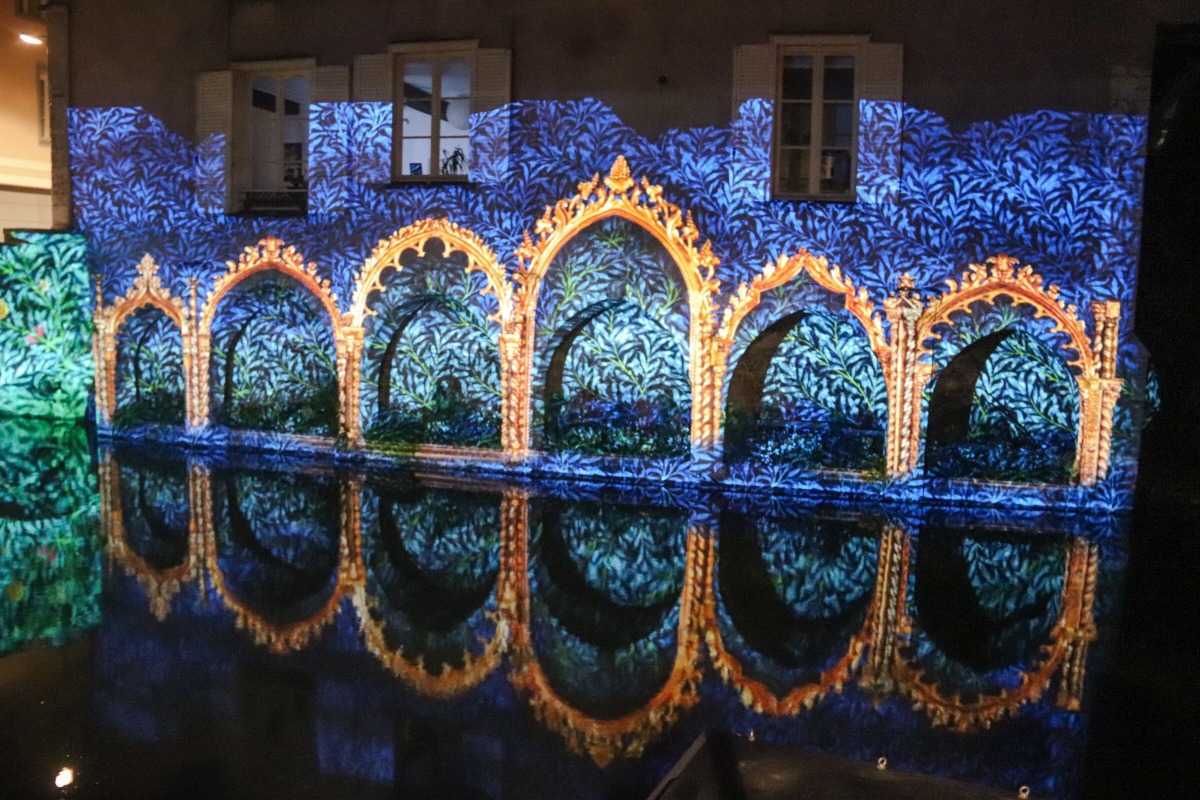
(818, 405)
(443, 410)
(613, 387)
(979, 423)
(150, 382)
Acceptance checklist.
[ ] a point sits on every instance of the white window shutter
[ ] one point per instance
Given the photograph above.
(882, 72)
(492, 89)
(753, 74)
(214, 115)
(373, 78)
(332, 84)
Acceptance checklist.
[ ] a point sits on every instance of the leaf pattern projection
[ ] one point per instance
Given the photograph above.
(150, 384)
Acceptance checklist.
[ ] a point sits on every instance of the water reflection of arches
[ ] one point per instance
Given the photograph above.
(797, 642)
(267, 261)
(276, 559)
(834, 407)
(1025, 431)
(626, 731)
(432, 564)
(150, 540)
(1061, 651)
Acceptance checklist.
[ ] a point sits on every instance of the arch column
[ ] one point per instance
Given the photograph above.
(516, 386)
(349, 368)
(1098, 396)
(905, 377)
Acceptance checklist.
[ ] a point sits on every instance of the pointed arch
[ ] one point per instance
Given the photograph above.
(642, 204)
(269, 255)
(387, 256)
(147, 291)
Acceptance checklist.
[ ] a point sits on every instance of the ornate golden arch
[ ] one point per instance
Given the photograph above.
(387, 255)
(774, 274)
(1094, 362)
(1065, 653)
(268, 255)
(641, 203)
(147, 290)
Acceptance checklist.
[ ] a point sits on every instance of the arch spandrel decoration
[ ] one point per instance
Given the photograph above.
(642, 203)
(386, 256)
(269, 254)
(1094, 362)
(147, 291)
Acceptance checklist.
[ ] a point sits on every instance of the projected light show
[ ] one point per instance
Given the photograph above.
(958, 334)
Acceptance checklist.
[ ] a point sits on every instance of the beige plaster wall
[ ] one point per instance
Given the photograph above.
(24, 160)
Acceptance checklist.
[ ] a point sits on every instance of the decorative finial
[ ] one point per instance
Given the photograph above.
(619, 179)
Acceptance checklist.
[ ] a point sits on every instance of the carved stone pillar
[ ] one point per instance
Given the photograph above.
(906, 379)
(516, 360)
(191, 355)
(1098, 396)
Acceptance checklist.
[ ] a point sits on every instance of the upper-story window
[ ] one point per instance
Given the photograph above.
(816, 84)
(434, 88)
(30, 9)
(816, 123)
(433, 114)
(276, 109)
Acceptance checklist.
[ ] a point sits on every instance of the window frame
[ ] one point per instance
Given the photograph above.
(245, 74)
(43, 101)
(818, 51)
(436, 53)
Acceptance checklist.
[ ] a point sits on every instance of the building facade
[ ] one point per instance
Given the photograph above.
(808, 246)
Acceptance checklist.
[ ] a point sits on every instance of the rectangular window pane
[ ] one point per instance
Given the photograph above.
(795, 120)
(837, 120)
(293, 167)
(418, 80)
(793, 170)
(262, 94)
(296, 93)
(415, 157)
(417, 118)
(456, 78)
(839, 78)
(797, 78)
(835, 171)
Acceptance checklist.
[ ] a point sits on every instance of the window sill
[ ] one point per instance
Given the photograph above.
(843, 199)
(424, 180)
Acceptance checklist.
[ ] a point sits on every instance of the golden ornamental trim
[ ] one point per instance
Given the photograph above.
(455, 239)
(147, 289)
(1000, 275)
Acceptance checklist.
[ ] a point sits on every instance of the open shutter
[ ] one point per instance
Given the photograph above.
(750, 161)
(880, 123)
(373, 78)
(332, 84)
(490, 133)
(214, 116)
(753, 74)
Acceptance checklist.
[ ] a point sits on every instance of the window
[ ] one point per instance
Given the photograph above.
(815, 124)
(433, 111)
(434, 89)
(275, 106)
(817, 86)
(29, 9)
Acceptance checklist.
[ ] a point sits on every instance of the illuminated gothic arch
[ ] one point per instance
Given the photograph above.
(147, 291)
(386, 256)
(1094, 361)
(617, 195)
(268, 255)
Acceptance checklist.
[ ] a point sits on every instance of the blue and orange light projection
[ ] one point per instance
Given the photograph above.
(961, 332)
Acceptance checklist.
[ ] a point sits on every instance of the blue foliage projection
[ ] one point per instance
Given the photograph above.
(1057, 190)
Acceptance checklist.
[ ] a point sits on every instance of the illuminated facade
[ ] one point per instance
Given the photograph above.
(944, 312)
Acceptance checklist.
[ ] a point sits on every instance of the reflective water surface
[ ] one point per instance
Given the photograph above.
(180, 625)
